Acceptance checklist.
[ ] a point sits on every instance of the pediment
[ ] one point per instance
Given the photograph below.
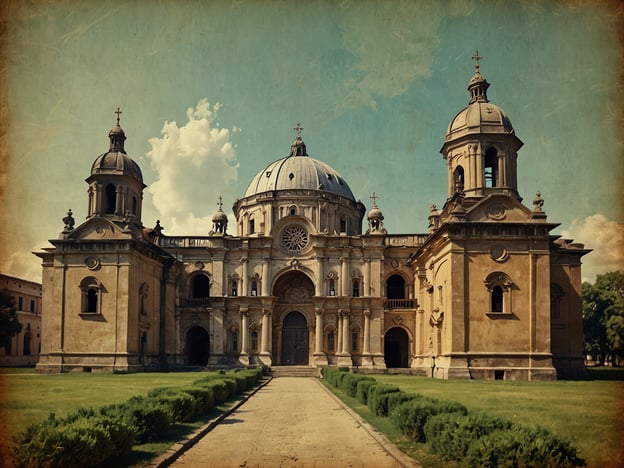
(99, 229)
(499, 208)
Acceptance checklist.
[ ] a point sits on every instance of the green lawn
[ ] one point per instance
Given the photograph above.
(588, 413)
(29, 398)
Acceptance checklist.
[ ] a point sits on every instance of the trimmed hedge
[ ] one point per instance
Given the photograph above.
(91, 437)
(521, 446)
(362, 390)
(350, 381)
(412, 415)
(85, 441)
(451, 434)
(374, 402)
(388, 401)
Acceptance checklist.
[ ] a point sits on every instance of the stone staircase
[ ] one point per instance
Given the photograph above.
(294, 371)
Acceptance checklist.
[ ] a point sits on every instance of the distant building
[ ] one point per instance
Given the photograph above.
(25, 346)
(488, 292)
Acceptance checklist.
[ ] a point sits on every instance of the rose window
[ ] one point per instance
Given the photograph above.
(294, 238)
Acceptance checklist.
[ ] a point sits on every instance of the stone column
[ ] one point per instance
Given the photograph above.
(265, 348)
(265, 277)
(367, 360)
(320, 358)
(98, 199)
(244, 278)
(217, 338)
(344, 273)
(345, 333)
(118, 200)
(244, 357)
(344, 358)
(339, 333)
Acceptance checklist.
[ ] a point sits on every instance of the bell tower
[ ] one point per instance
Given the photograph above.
(116, 182)
(481, 147)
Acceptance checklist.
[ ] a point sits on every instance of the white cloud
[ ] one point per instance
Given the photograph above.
(605, 237)
(195, 164)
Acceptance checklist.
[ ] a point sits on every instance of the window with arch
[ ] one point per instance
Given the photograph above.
(355, 340)
(356, 287)
(234, 287)
(254, 287)
(491, 167)
(458, 179)
(556, 298)
(27, 343)
(234, 340)
(110, 199)
(135, 206)
(395, 287)
(343, 224)
(252, 226)
(331, 340)
(200, 286)
(254, 340)
(499, 286)
(91, 290)
(331, 284)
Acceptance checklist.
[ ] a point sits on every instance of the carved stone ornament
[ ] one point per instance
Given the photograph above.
(199, 265)
(92, 263)
(395, 263)
(498, 253)
(397, 320)
(496, 212)
(436, 318)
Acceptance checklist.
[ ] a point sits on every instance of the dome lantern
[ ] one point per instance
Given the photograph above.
(298, 148)
(478, 85)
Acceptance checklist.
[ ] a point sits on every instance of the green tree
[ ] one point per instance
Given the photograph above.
(603, 316)
(9, 325)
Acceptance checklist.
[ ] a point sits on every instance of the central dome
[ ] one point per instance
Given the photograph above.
(299, 172)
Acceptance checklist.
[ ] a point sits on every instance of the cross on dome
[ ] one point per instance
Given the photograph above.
(298, 129)
(220, 202)
(374, 197)
(476, 57)
(118, 112)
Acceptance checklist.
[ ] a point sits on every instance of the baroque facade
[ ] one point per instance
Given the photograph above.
(488, 292)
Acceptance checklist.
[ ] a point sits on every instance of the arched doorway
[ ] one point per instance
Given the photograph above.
(396, 348)
(295, 345)
(197, 347)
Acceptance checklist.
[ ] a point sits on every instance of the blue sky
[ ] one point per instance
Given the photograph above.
(211, 91)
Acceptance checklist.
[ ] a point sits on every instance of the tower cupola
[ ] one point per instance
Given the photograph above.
(481, 147)
(116, 182)
(219, 220)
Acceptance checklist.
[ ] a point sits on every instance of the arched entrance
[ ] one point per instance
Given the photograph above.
(197, 347)
(396, 348)
(295, 345)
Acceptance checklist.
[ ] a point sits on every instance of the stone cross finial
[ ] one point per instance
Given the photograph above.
(220, 202)
(298, 129)
(118, 112)
(476, 57)
(374, 197)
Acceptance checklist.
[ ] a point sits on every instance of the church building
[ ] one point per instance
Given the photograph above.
(309, 277)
